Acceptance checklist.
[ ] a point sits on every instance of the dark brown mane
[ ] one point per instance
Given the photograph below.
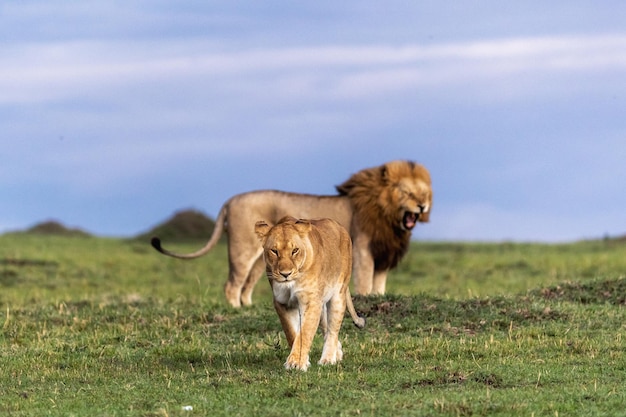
(369, 192)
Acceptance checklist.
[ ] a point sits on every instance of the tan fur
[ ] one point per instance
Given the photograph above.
(371, 204)
(308, 264)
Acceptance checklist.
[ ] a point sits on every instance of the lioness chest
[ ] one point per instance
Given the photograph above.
(284, 293)
(290, 293)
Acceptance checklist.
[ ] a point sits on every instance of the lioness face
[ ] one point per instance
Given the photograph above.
(285, 253)
(413, 199)
(284, 261)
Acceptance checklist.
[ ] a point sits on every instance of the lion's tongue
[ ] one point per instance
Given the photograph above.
(409, 220)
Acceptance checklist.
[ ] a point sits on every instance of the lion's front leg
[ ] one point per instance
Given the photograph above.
(380, 280)
(363, 265)
(309, 320)
(332, 352)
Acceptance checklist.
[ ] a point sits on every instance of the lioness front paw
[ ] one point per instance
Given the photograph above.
(328, 361)
(293, 363)
(331, 359)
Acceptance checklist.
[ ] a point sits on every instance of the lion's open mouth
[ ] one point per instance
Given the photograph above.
(409, 220)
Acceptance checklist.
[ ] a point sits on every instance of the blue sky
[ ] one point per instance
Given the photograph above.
(113, 115)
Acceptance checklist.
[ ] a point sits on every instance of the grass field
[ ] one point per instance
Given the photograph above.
(94, 326)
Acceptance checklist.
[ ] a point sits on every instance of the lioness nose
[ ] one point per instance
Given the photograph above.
(285, 273)
(421, 207)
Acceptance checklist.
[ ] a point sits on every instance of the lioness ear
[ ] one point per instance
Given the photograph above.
(261, 228)
(303, 225)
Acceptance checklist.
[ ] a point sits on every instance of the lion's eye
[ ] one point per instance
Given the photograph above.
(274, 251)
(409, 195)
(294, 251)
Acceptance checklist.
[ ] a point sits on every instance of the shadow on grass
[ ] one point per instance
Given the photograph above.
(597, 292)
(432, 314)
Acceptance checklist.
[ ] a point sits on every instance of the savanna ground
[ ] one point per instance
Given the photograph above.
(93, 326)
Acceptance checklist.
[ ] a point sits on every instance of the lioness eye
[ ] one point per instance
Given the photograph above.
(294, 251)
(274, 251)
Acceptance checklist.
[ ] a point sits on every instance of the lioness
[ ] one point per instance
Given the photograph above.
(308, 264)
(379, 206)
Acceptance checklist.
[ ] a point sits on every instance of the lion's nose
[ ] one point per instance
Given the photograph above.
(285, 274)
(421, 207)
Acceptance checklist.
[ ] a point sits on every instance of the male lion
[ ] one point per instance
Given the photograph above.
(379, 206)
(308, 264)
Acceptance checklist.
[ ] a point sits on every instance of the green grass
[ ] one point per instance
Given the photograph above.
(93, 326)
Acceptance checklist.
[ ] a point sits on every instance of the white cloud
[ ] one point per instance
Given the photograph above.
(58, 71)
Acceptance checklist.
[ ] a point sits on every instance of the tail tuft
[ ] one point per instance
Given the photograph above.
(156, 244)
(360, 323)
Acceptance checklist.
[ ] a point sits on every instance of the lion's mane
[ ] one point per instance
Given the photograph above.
(373, 194)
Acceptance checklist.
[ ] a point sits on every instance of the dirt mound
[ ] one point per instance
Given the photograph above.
(53, 227)
(182, 226)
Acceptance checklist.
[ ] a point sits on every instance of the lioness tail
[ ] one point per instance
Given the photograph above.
(356, 319)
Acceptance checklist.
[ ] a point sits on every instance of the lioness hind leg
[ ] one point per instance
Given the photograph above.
(324, 320)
